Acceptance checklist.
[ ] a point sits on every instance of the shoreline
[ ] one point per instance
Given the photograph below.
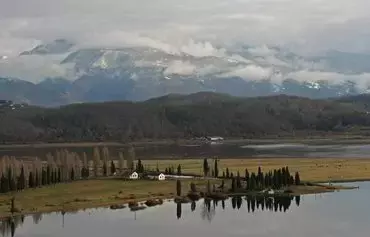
(329, 138)
(313, 188)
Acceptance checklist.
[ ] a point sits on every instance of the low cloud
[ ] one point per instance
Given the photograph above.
(250, 72)
(35, 68)
(180, 68)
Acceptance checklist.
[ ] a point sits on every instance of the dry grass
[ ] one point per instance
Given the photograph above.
(89, 193)
(310, 169)
(105, 192)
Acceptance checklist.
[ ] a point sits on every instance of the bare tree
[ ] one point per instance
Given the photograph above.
(96, 161)
(121, 162)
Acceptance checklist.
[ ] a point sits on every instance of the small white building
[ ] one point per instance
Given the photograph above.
(134, 175)
(215, 139)
(161, 177)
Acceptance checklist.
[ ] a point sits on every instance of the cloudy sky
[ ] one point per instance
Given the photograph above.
(198, 27)
(314, 24)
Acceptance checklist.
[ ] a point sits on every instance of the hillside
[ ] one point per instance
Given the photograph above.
(181, 116)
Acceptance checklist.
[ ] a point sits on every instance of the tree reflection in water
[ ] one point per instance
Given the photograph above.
(253, 203)
(9, 225)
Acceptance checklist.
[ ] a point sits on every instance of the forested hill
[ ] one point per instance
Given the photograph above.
(182, 116)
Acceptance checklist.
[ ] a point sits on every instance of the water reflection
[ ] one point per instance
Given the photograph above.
(253, 203)
(329, 215)
(8, 226)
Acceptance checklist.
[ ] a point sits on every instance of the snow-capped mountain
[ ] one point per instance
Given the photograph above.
(139, 73)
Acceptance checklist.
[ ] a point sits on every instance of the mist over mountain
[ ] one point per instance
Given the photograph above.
(75, 73)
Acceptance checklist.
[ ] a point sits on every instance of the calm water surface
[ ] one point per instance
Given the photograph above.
(340, 214)
(208, 150)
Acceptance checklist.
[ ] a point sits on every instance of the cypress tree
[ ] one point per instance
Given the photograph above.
(287, 175)
(112, 168)
(52, 180)
(280, 178)
(178, 188)
(31, 182)
(223, 174)
(284, 180)
(105, 169)
(297, 179)
(246, 175)
(48, 175)
(179, 170)
(86, 173)
(22, 180)
(43, 177)
(37, 181)
(238, 181)
(83, 173)
(233, 185)
(205, 167)
(259, 175)
(4, 184)
(59, 175)
(72, 174)
(11, 180)
(138, 166)
(227, 173)
(216, 168)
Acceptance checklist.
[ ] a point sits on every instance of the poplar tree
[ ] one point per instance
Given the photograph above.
(22, 179)
(72, 174)
(96, 161)
(233, 185)
(112, 168)
(131, 157)
(121, 162)
(205, 167)
(238, 181)
(37, 180)
(179, 170)
(297, 179)
(31, 182)
(216, 168)
(246, 175)
(105, 169)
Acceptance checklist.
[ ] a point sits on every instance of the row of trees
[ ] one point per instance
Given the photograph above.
(276, 179)
(64, 166)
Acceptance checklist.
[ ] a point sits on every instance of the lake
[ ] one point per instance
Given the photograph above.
(227, 150)
(340, 214)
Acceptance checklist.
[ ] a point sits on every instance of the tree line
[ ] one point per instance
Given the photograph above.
(276, 178)
(64, 166)
(179, 118)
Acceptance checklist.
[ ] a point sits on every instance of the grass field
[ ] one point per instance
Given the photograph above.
(105, 192)
(310, 169)
(89, 193)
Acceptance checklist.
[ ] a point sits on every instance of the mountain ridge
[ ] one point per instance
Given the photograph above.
(140, 73)
(185, 116)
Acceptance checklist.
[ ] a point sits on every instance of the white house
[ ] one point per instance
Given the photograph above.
(134, 175)
(161, 177)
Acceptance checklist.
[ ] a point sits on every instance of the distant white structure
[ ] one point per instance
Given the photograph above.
(134, 175)
(161, 177)
(215, 139)
(271, 192)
